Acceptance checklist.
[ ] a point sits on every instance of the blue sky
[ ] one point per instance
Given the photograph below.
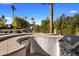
(69, 9)
(38, 11)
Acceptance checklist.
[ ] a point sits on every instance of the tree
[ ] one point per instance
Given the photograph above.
(20, 22)
(67, 24)
(3, 22)
(25, 17)
(13, 9)
(32, 19)
(45, 25)
(2, 17)
(38, 28)
(60, 25)
(33, 24)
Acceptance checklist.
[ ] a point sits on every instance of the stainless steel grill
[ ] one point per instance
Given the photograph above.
(69, 45)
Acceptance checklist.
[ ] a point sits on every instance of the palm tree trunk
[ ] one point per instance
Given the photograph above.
(13, 14)
(51, 18)
(13, 17)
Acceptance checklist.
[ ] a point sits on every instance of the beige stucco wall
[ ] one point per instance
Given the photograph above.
(43, 45)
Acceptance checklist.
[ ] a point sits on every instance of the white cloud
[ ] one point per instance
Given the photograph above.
(5, 3)
(73, 11)
(8, 18)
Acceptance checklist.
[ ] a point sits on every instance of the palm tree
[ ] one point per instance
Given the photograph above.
(60, 24)
(13, 8)
(32, 19)
(3, 20)
(25, 17)
(51, 18)
(33, 23)
(2, 17)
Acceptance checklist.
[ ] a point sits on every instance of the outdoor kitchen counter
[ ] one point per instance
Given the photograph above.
(11, 45)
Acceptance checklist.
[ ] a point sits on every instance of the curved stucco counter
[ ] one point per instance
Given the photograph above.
(42, 44)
